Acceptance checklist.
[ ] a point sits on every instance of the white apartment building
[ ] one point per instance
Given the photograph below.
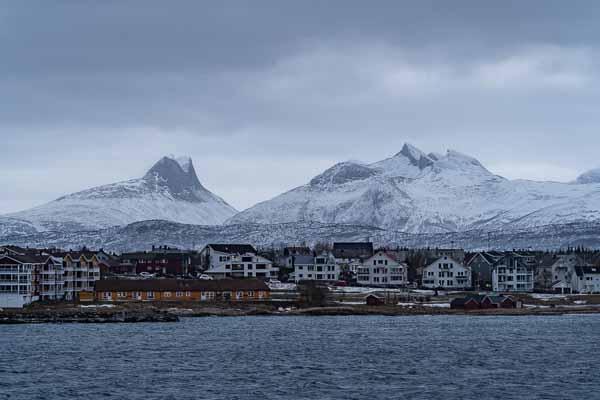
(18, 279)
(236, 261)
(315, 268)
(586, 279)
(512, 274)
(382, 269)
(446, 273)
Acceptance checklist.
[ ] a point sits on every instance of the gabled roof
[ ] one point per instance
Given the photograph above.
(352, 249)
(487, 257)
(25, 259)
(233, 248)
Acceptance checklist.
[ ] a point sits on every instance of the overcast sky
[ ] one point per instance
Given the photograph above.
(263, 95)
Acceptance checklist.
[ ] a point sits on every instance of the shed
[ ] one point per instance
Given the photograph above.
(374, 300)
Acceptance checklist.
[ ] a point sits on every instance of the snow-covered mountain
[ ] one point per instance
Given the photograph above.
(427, 193)
(170, 190)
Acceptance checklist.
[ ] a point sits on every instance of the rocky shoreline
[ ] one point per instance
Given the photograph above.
(147, 313)
(85, 316)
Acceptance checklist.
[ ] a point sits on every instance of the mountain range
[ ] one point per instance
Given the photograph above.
(430, 193)
(412, 197)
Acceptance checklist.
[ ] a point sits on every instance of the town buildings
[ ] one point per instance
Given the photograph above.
(446, 273)
(382, 269)
(236, 261)
(314, 267)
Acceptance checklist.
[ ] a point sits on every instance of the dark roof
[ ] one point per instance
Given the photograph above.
(26, 259)
(296, 250)
(580, 270)
(303, 260)
(161, 285)
(352, 249)
(18, 250)
(233, 248)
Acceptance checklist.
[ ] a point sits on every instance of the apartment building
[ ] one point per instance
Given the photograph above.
(382, 269)
(446, 273)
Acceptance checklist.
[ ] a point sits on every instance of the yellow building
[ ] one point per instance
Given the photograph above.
(181, 290)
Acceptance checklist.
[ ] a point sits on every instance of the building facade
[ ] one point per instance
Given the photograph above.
(19, 276)
(382, 269)
(315, 268)
(586, 279)
(446, 273)
(236, 261)
(513, 273)
(181, 290)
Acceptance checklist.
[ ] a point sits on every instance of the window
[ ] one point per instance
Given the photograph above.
(167, 294)
(107, 296)
(179, 294)
(239, 295)
(188, 294)
(150, 295)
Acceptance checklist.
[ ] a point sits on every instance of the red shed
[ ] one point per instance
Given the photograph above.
(374, 300)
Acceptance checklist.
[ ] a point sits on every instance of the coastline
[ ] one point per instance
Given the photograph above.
(129, 313)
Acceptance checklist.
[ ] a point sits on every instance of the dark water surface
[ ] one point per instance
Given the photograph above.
(438, 357)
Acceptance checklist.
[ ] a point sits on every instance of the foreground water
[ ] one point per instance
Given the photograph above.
(438, 357)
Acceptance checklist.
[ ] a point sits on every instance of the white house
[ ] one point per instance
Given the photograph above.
(17, 279)
(315, 268)
(586, 279)
(236, 261)
(382, 269)
(512, 273)
(446, 273)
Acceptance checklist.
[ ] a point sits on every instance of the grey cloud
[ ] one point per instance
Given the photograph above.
(265, 94)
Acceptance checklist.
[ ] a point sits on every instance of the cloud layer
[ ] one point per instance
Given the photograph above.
(264, 96)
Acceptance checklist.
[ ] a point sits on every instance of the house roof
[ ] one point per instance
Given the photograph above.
(162, 285)
(303, 260)
(581, 270)
(233, 248)
(26, 259)
(487, 257)
(352, 249)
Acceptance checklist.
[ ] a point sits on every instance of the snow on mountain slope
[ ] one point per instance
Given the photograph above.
(418, 192)
(592, 176)
(170, 190)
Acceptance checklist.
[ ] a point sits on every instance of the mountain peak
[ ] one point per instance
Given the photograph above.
(176, 174)
(591, 176)
(417, 157)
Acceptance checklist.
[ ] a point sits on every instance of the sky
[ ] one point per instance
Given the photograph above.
(264, 95)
